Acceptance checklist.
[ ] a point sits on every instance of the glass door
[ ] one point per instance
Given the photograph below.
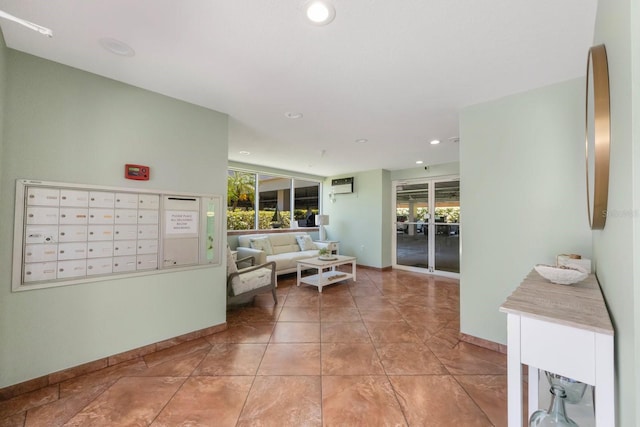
(446, 223)
(427, 226)
(411, 225)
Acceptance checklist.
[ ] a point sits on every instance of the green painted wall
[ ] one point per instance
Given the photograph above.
(522, 196)
(3, 80)
(62, 124)
(361, 220)
(388, 220)
(634, 399)
(617, 247)
(498, 127)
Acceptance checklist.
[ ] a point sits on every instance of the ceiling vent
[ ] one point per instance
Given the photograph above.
(342, 185)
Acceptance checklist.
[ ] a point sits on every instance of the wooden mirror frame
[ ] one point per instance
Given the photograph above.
(597, 149)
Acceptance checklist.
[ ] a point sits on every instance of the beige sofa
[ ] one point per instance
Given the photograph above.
(284, 249)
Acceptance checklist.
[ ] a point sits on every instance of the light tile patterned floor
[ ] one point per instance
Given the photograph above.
(380, 351)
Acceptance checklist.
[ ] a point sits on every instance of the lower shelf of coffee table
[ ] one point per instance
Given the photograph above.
(328, 277)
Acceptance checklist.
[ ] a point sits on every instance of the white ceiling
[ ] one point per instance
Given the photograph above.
(393, 72)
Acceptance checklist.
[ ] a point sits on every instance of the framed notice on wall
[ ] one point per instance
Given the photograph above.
(181, 222)
(68, 234)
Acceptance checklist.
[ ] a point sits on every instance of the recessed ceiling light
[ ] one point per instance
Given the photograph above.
(454, 139)
(292, 115)
(362, 140)
(117, 47)
(434, 142)
(419, 162)
(244, 153)
(320, 12)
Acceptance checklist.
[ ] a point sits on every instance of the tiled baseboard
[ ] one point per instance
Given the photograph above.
(366, 267)
(501, 348)
(60, 376)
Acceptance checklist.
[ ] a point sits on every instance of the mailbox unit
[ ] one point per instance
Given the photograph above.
(72, 233)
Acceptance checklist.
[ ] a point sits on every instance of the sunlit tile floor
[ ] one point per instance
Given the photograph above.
(380, 351)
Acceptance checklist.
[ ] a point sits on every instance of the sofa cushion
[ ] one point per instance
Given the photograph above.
(244, 240)
(306, 254)
(289, 260)
(305, 243)
(283, 243)
(262, 243)
(285, 249)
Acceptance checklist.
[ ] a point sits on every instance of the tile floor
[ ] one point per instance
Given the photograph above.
(380, 351)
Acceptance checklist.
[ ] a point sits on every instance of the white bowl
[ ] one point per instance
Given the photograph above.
(563, 275)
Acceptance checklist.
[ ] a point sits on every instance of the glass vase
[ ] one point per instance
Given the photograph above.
(572, 388)
(556, 415)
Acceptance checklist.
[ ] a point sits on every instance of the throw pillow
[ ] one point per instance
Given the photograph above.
(263, 244)
(305, 243)
(231, 263)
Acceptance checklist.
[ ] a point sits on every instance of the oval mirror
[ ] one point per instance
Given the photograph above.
(597, 136)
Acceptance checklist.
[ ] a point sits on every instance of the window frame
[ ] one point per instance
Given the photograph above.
(292, 187)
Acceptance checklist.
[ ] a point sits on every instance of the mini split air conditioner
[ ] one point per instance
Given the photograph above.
(342, 185)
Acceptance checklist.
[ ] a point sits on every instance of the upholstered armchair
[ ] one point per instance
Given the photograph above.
(245, 283)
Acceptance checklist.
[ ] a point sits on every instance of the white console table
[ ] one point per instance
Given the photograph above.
(561, 329)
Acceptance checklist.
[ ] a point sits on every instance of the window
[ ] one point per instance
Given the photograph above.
(274, 199)
(305, 201)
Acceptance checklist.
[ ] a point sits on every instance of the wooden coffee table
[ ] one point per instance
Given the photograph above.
(326, 271)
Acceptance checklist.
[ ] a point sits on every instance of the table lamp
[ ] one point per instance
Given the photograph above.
(321, 221)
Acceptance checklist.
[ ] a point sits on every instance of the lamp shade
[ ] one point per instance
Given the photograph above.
(322, 219)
